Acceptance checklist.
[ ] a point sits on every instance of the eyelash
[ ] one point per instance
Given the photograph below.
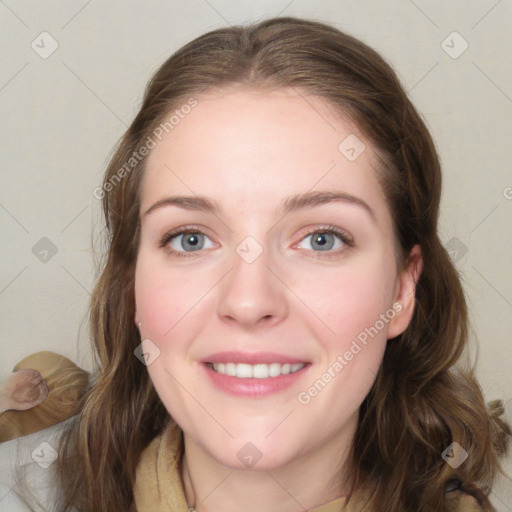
(326, 229)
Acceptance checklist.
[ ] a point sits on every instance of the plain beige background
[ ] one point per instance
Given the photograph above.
(63, 112)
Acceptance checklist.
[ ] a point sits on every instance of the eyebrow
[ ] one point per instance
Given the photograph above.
(288, 205)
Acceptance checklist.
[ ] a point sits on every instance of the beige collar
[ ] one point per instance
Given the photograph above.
(158, 486)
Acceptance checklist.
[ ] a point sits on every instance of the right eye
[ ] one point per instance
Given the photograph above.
(184, 240)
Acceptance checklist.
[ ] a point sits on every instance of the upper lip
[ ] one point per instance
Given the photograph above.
(251, 358)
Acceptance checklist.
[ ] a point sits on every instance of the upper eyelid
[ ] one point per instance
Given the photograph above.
(310, 230)
(345, 237)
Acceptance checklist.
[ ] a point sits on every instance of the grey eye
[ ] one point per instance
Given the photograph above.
(321, 241)
(188, 242)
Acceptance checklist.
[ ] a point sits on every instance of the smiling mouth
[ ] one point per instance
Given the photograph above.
(256, 371)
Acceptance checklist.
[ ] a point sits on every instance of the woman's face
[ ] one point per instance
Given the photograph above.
(270, 269)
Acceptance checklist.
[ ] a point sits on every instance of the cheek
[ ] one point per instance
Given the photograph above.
(163, 297)
(354, 303)
(349, 299)
(351, 305)
(167, 302)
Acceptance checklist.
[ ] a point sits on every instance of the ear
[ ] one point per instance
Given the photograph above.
(136, 318)
(405, 300)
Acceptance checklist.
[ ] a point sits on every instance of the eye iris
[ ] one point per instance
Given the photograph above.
(321, 240)
(192, 241)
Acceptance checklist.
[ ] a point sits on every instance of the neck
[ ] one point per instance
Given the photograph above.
(307, 481)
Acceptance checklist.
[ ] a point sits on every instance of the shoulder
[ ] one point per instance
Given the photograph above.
(32, 458)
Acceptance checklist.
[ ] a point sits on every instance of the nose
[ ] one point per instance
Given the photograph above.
(252, 294)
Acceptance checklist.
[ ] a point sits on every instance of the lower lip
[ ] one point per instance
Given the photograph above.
(254, 387)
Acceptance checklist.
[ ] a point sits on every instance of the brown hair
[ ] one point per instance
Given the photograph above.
(420, 402)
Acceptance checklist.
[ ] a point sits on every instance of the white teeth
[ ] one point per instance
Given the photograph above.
(260, 371)
(257, 371)
(244, 371)
(230, 369)
(274, 369)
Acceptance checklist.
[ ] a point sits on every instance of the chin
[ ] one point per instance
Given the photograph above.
(254, 452)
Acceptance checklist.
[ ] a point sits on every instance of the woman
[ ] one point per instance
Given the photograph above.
(277, 322)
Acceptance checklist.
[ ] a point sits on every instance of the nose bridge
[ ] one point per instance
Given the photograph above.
(251, 292)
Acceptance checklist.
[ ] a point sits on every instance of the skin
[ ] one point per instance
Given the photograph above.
(247, 150)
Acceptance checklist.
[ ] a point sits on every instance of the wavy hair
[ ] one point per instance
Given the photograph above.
(421, 400)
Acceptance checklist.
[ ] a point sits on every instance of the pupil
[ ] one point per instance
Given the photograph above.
(322, 241)
(192, 241)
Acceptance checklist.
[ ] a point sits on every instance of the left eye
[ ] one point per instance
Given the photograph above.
(324, 241)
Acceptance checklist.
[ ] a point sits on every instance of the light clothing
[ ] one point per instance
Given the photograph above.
(36, 455)
(159, 487)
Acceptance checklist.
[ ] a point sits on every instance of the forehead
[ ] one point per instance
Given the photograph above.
(242, 145)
